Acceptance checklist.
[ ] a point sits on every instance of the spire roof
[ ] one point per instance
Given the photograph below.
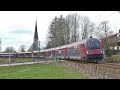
(34, 46)
(36, 33)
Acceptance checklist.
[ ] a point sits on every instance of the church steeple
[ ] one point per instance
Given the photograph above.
(34, 46)
(35, 33)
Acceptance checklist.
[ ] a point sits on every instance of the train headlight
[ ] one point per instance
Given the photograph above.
(87, 52)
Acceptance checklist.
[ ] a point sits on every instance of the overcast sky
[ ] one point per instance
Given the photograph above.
(17, 27)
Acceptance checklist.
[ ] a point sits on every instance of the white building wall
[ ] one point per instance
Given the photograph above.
(118, 35)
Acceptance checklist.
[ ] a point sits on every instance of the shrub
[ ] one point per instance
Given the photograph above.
(113, 59)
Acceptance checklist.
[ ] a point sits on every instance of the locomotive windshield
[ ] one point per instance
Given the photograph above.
(93, 44)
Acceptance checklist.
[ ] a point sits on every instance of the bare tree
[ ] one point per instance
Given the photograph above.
(104, 27)
(73, 23)
(9, 49)
(86, 26)
(22, 48)
(104, 30)
(91, 29)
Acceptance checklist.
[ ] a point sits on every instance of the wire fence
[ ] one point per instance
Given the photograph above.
(94, 71)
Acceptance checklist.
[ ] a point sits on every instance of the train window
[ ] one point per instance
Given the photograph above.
(117, 48)
(81, 45)
(118, 44)
(93, 45)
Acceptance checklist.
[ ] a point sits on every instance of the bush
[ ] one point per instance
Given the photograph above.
(108, 53)
(109, 60)
(113, 59)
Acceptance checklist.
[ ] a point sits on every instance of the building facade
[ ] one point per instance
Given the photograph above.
(113, 41)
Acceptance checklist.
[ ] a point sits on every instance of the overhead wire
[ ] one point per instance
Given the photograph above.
(105, 18)
(100, 14)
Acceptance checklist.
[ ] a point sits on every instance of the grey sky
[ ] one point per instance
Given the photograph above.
(17, 27)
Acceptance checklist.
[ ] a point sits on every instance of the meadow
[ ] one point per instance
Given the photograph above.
(39, 71)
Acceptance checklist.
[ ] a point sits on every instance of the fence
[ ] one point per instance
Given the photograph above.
(94, 71)
(112, 52)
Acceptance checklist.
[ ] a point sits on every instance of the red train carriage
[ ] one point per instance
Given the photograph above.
(82, 50)
(73, 51)
(24, 54)
(87, 50)
(61, 52)
(42, 55)
(50, 52)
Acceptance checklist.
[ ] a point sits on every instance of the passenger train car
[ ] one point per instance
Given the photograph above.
(85, 50)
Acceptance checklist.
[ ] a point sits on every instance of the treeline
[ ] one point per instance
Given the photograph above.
(74, 27)
(12, 49)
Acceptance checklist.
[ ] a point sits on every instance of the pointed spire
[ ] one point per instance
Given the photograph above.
(34, 46)
(36, 33)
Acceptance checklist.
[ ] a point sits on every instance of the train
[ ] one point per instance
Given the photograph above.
(88, 50)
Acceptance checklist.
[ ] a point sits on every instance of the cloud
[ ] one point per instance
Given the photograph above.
(21, 31)
(16, 38)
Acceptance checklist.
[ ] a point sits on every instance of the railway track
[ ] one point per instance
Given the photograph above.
(110, 65)
(101, 64)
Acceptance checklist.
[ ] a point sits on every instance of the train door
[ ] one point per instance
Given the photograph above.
(82, 50)
(65, 53)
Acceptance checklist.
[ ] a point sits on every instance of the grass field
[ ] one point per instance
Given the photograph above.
(39, 71)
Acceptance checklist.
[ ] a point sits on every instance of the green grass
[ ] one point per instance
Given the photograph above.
(39, 71)
(117, 56)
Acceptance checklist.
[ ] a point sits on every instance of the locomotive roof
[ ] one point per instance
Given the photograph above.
(95, 39)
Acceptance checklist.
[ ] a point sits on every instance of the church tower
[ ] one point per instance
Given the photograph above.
(35, 34)
(35, 46)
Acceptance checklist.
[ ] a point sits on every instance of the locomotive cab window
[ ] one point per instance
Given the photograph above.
(93, 44)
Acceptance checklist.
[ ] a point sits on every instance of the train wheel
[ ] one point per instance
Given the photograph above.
(82, 59)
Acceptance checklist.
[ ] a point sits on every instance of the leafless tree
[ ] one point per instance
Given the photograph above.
(105, 27)
(9, 49)
(86, 26)
(22, 48)
(103, 30)
(73, 22)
